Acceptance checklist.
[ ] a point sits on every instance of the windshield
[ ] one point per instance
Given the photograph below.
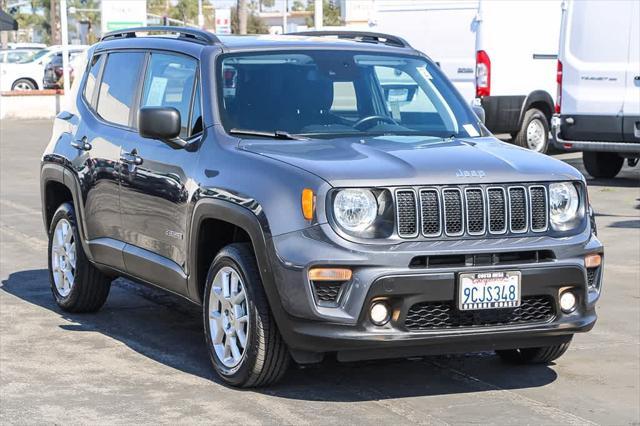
(37, 56)
(335, 93)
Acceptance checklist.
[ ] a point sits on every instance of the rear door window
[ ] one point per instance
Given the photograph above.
(119, 86)
(169, 82)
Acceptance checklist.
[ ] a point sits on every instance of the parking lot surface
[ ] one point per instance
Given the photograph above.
(142, 359)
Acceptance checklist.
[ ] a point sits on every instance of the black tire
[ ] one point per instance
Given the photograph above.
(26, 82)
(543, 355)
(520, 138)
(266, 356)
(90, 287)
(602, 164)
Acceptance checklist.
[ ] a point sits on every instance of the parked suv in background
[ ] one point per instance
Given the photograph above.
(316, 196)
(28, 75)
(598, 107)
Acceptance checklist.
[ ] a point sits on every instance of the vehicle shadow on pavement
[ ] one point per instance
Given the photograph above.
(168, 329)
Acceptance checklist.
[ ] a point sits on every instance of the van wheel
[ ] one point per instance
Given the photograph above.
(23, 84)
(244, 343)
(543, 355)
(76, 284)
(534, 132)
(602, 164)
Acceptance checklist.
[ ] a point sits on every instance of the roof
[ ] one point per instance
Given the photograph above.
(192, 41)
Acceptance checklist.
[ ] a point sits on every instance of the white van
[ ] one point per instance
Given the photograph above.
(500, 54)
(598, 110)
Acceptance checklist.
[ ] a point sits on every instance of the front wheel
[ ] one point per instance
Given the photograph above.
(534, 132)
(542, 355)
(244, 343)
(602, 164)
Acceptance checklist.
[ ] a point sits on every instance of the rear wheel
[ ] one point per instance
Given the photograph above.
(534, 132)
(23, 84)
(543, 355)
(243, 340)
(602, 164)
(76, 284)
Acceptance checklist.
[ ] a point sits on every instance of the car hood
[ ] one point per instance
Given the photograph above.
(403, 160)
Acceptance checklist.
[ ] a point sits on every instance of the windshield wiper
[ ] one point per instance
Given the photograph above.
(278, 134)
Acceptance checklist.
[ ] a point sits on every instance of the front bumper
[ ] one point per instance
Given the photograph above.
(309, 327)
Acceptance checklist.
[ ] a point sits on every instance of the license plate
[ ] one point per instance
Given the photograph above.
(489, 290)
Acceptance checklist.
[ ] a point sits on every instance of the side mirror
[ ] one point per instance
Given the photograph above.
(479, 111)
(161, 123)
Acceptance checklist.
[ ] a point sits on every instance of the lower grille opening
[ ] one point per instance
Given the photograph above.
(327, 293)
(486, 259)
(592, 278)
(438, 315)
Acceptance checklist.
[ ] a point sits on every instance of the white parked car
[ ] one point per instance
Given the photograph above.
(598, 110)
(29, 75)
(500, 54)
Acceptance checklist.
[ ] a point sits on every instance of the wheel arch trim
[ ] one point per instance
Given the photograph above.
(535, 97)
(52, 172)
(242, 217)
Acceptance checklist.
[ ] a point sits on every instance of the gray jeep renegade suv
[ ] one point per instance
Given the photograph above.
(318, 194)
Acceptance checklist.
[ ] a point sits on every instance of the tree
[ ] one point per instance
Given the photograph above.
(330, 14)
(254, 23)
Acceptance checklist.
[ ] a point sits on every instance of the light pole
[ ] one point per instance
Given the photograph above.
(317, 14)
(200, 15)
(64, 30)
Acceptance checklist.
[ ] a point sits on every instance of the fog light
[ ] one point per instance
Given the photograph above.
(379, 313)
(567, 302)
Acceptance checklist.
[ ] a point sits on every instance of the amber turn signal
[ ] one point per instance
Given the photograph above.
(308, 203)
(592, 260)
(329, 274)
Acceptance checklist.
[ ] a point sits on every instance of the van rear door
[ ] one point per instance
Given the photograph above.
(594, 56)
(631, 107)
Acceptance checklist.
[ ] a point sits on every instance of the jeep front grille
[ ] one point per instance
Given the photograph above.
(475, 211)
(438, 315)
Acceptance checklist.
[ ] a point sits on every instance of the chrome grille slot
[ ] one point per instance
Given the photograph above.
(497, 210)
(407, 213)
(517, 209)
(538, 208)
(431, 213)
(453, 213)
(474, 199)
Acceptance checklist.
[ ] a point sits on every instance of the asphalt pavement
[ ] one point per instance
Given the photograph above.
(142, 359)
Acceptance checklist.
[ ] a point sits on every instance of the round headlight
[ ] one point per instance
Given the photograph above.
(355, 209)
(564, 204)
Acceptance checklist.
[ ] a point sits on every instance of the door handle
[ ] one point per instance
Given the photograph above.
(81, 144)
(131, 158)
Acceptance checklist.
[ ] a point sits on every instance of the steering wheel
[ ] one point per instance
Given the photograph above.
(360, 125)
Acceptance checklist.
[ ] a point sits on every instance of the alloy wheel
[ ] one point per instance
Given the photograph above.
(228, 317)
(63, 257)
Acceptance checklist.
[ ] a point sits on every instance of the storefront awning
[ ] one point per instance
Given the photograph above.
(7, 23)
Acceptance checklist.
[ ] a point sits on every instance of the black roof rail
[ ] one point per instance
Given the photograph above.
(183, 32)
(363, 36)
